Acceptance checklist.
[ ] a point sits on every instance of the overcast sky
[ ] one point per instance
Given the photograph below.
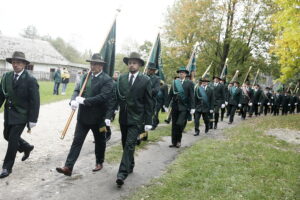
(84, 23)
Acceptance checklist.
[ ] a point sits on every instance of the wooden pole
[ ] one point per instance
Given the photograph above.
(86, 80)
(254, 82)
(247, 74)
(235, 76)
(223, 71)
(73, 111)
(207, 70)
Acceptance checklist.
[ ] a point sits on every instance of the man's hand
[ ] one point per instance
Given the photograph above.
(148, 127)
(259, 103)
(268, 104)
(240, 105)
(107, 122)
(74, 105)
(226, 103)
(211, 111)
(223, 105)
(80, 100)
(32, 124)
(166, 109)
(192, 111)
(250, 104)
(289, 104)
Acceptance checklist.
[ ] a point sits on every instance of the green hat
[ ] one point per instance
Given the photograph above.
(134, 55)
(182, 69)
(203, 80)
(151, 65)
(96, 58)
(17, 55)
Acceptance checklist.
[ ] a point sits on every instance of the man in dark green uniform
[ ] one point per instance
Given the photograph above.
(134, 95)
(155, 80)
(204, 103)
(246, 100)
(223, 82)
(257, 99)
(161, 100)
(267, 100)
(276, 103)
(234, 100)
(219, 100)
(20, 91)
(91, 114)
(286, 102)
(183, 103)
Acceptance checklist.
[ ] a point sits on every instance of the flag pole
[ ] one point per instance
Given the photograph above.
(207, 70)
(247, 74)
(256, 77)
(223, 71)
(191, 62)
(235, 76)
(84, 84)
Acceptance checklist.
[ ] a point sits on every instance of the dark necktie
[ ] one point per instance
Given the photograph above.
(16, 78)
(131, 79)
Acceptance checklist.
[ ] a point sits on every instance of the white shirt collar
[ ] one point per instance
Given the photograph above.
(134, 75)
(20, 73)
(96, 75)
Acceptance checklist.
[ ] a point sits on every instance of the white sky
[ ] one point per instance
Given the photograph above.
(84, 23)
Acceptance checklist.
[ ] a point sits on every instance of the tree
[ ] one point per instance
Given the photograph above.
(287, 44)
(235, 29)
(30, 32)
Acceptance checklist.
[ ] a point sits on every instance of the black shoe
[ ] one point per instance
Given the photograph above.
(27, 153)
(172, 146)
(167, 121)
(120, 182)
(138, 142)
(5, 173)
(229, 122)
(206, 129)
(196, 134)
(216, 126)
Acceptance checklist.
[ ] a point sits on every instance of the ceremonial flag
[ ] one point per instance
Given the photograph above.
(108, 50)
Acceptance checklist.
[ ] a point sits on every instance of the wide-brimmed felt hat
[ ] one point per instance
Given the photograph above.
(17, 55)
(96, 58)
(134, 55)
(216, 77)
(182, 69)
(236, 82)
(151, 65)
(203, 80)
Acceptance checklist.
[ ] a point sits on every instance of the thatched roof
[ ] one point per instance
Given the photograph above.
(36, 51)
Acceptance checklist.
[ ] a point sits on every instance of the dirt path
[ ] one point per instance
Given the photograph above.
(37, 178)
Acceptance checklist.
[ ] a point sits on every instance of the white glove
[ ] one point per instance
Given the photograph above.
(166, 109)
(271, 104)
(74, 105)
(116, 111)
(107, 122)
(226, 103)
(211, 111)
(268, 104)
(223, 106)
(258, 103)
(296, 104)
(31, 125)
(192, 111)
(250, 104)
(272, 97)
(240, 105)
(289, 104)
(80, 100)
(148, 127)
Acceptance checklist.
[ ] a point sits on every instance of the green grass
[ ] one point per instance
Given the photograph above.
(46, 92)
(114, 153)
(246, 165)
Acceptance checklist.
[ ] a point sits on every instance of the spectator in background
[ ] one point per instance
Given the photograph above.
(57, 80)
(65, 80)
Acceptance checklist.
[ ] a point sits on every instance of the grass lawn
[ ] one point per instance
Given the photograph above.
(46, 92)
(246, 165)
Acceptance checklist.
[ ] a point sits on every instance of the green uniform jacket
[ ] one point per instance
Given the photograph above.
(177, 101)
(97, 96)
(200, 105)
(219, 92)
(22, 100)
(136, 104)
(235, 99)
